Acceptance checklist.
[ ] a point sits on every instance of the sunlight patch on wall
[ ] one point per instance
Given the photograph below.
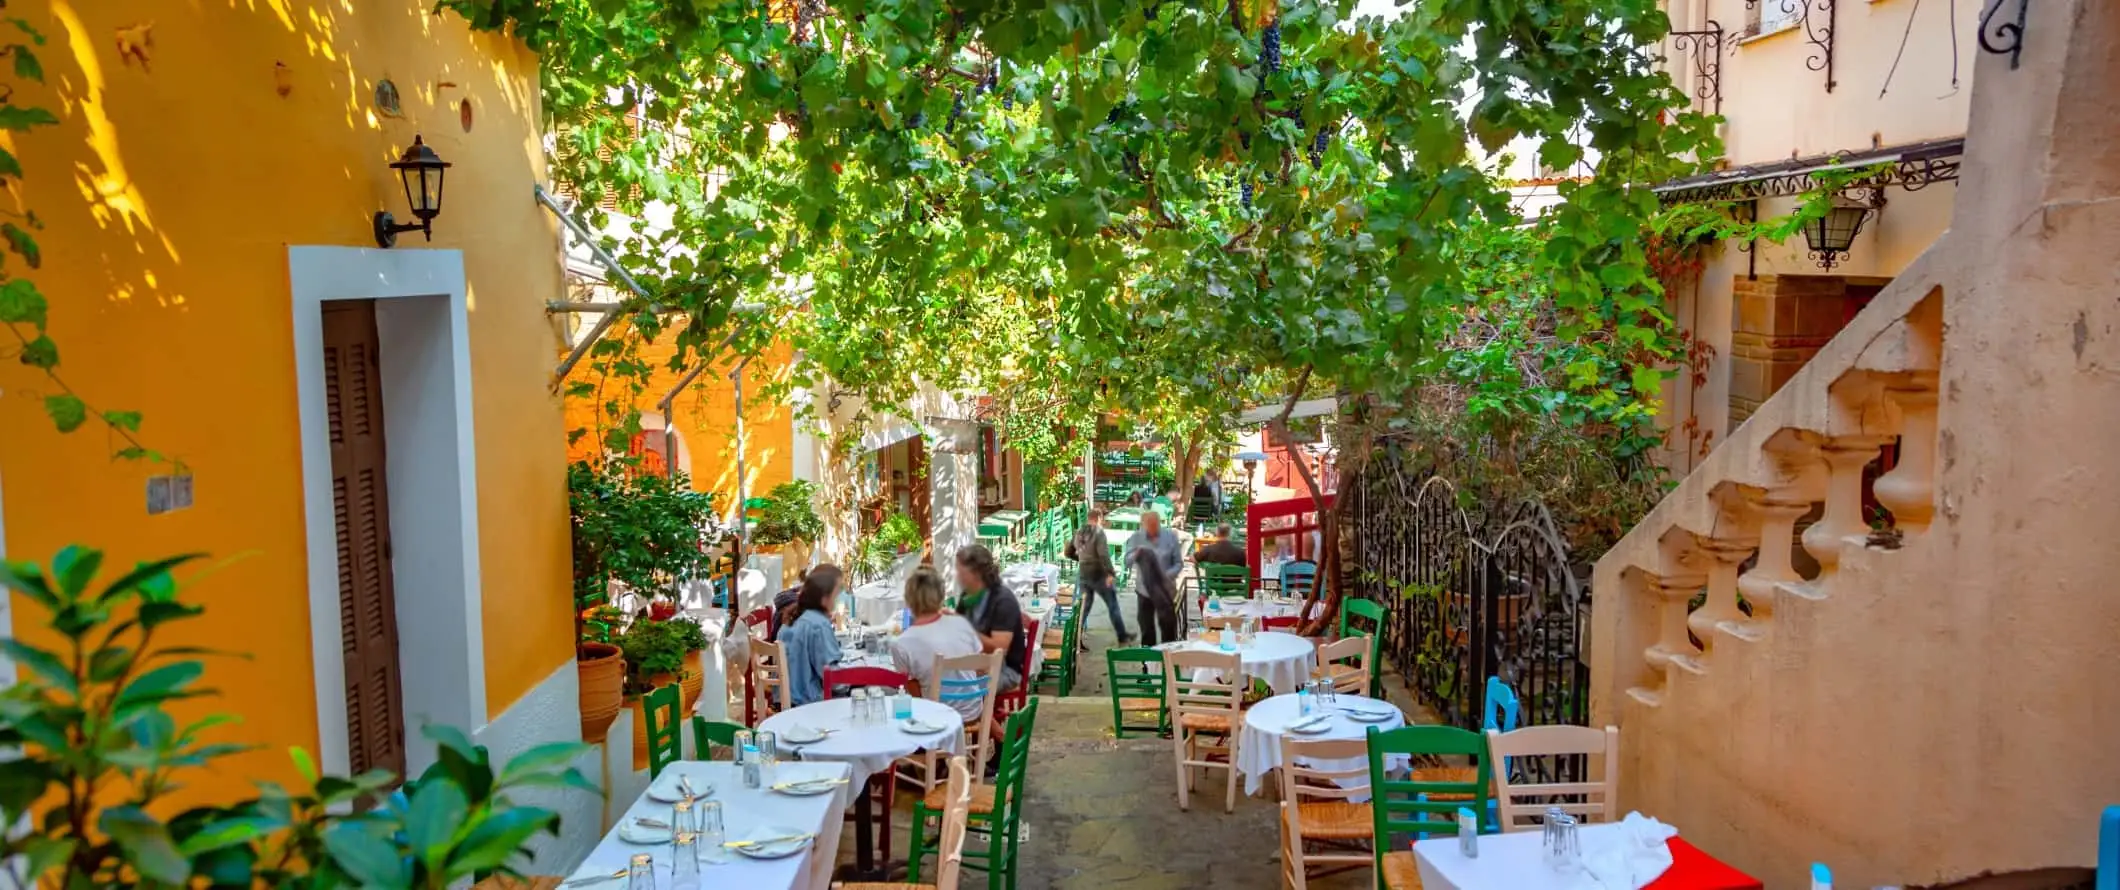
(112, 194)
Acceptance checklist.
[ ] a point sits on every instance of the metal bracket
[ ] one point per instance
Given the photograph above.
(2004, 38)
(1820, 36)
(1705, 48)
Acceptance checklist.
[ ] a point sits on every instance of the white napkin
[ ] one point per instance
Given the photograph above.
(1628, 858)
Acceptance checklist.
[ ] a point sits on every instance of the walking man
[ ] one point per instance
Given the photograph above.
(1093, 571)
(1154, 554)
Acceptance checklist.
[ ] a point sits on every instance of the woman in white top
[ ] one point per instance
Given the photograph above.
(934, 634)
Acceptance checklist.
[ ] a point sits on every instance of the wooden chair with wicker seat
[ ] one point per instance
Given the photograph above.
(1346, 663)
(1427, 801)
(922, 768)
(1316, 809)
(767, 679)
(956, 817)
(1205, 715)
(1523, 806)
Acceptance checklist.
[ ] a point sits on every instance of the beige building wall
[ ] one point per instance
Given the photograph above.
(1777, 108)
(1923, 713)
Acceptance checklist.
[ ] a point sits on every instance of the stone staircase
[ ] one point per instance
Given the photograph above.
(1920, 708)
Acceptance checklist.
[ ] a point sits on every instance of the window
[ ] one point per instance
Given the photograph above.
(1769, 16)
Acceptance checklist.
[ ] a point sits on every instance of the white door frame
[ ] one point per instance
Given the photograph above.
(422, 318)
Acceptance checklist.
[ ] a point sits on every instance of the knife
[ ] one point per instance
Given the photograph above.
(764, 842)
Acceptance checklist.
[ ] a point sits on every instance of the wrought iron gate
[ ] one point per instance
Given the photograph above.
(1473, 590)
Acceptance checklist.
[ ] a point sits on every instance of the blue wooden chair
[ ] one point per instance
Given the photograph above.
(1298, 577)
(1501, 717)
(2109, 849)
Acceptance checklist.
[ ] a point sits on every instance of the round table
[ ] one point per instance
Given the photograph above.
(1259, 748)
(1023, 577)
(868, 750)
(876, 604)
(1283, 660)
(1257, 607)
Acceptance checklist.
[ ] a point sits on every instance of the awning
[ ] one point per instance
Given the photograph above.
(1911, 166)
(1311, 408)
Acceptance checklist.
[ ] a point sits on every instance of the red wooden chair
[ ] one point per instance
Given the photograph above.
(1281, 622)
(862, 676)
(1013, 700)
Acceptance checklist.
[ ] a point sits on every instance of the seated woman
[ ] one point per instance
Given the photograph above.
(809, 639)
(934, 634)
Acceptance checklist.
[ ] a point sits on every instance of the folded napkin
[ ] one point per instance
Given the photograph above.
(1629, 857)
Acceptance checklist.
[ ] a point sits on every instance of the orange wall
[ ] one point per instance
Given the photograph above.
(170, 193)
(705, 417)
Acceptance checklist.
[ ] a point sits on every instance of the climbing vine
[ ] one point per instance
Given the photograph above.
(24, 308)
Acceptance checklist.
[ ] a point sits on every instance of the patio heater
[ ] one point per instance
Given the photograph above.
(1251, 468)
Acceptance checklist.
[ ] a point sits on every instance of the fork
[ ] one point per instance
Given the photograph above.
(598, 879)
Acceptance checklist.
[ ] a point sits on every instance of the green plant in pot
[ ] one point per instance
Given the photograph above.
(95, 757)
(654, 653)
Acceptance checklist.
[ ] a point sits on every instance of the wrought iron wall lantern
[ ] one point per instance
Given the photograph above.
(421, 171)
(1830, 236)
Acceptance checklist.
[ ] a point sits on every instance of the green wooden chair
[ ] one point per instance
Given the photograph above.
(1371, 612)
(708, 733)
(1424, 801)
(1136, 680)
(1217, 580)
(1058, 668)
(996, 808)
(665, 743)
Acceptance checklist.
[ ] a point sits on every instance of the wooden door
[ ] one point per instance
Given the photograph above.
(375, 722)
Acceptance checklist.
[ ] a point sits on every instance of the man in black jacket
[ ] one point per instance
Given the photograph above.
(1094, 575)
(1224, 551)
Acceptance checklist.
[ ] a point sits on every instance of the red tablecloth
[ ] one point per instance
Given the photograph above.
(1692, 869)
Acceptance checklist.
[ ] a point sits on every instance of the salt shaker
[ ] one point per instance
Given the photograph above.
(1468, 833)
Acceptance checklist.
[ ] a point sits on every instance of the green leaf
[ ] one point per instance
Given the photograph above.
(14, 117)
(21, 303)
(41, 353)
(9, 166)
(41, 854)
(436, 812)
(46, 665)
(160, 683)
(109, 664)
(73, 567)
(128, 421)
(149, 576)
(20, 241)
(67, 412)
(26, 64)
(146, 843)
(28, 579)
(364, 850)
(226, 833)
(498, 837)
(22, 781)
(540, 759)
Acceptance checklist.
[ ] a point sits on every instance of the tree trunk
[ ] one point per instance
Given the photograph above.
(1188, 466)
(1328, 583)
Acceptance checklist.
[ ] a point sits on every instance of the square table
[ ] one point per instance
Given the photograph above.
(1516, 861)
(742, 809)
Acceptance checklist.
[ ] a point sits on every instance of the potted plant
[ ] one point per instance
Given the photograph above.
(693, 637)
(787, 521)
(645, 531)
(654, 656)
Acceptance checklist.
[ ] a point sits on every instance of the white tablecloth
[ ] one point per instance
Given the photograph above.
(1259, 748)
(1514, 861)
(876, 604)
(1283, 660)
(868, 749)
(1258, 607)
(742, 810)
(1022, 576)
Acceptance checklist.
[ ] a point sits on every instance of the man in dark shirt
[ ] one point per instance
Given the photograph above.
(993, 611)
(1224, 551)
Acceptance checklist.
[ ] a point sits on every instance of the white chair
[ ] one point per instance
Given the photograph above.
(1314, 807)
(920, 768)
(1203, 712)
(956, 818)
(1523, 807)
(1347, 663)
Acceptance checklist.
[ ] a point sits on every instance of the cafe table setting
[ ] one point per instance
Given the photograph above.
(1635, 853)
(1283, 660)
(1024, 577)
(1333, 717)
(781, 835)
(875, 604)
(866, 742)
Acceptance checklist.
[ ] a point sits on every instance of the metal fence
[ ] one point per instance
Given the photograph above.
(1473, 590)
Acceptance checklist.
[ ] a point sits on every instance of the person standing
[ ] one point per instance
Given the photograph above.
(1155, 556)
(1093, 572)
(810, 642)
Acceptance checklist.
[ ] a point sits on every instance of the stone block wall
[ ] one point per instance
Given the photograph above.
(1780, 322)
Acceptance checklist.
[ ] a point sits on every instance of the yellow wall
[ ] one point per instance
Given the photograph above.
(705, 418)
(170, 193)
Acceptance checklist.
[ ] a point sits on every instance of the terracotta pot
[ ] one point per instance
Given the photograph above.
(602, 687)
(695, 679)
(640, 732)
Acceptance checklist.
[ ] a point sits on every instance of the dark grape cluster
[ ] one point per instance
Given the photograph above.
(1244, 139)
(1317, 150)
(956, 111)
(1270, 47)
(1133, 165)
(914, 122)
(1247, 194)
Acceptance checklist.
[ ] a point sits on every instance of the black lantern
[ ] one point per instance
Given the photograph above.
(420, 169)
(1831, 235)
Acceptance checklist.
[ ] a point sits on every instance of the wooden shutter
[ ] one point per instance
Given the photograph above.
(375, 722)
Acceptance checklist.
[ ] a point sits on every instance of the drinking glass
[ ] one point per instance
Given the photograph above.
(742, 742)
(684, 862)
(768, 755)
(712, 834)
(681, 818)
(861, 706)
(641, 876)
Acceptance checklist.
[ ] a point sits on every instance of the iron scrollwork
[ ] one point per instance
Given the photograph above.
(1705, 49)
(2003, 38)
(1816, 32)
